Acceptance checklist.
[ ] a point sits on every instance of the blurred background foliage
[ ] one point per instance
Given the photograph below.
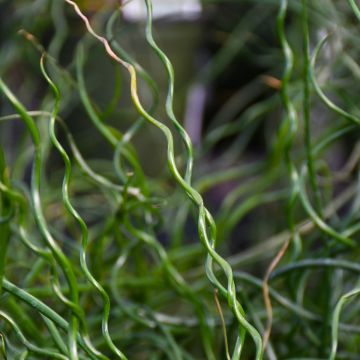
(276, 154)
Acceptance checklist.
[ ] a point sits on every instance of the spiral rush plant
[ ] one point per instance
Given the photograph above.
(101, 260)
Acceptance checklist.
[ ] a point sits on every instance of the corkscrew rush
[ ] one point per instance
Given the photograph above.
(286, 136)
(77, 217)
(89, 216)
(206, 225)
(35, 193)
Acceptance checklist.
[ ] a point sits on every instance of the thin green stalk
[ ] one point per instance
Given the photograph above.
(205, 221)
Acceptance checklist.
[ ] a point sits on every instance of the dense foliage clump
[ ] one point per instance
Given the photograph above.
(212, 217)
